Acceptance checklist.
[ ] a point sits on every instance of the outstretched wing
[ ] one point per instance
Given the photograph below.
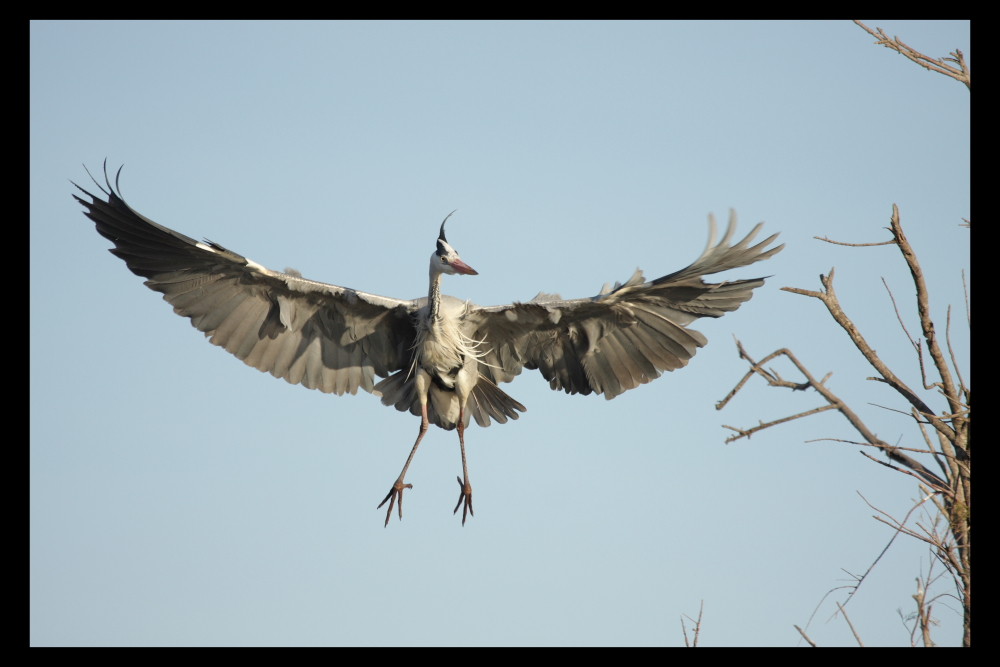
(321, 336)
(626, 335)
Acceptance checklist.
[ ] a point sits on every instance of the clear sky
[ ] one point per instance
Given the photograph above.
(180, 497)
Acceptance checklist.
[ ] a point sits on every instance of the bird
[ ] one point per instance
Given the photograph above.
(438, 357)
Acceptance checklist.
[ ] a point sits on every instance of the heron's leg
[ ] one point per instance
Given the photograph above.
(466, 488)
(396, 492)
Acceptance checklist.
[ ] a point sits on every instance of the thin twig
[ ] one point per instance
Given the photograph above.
(805, 636)
(850, 625)
(968, 309)
(918, 348)
(877, 446)
(900, 527)
(852, 245)
(923, 613)
(951, 353)
(899, 318)
(918, 471)
(697, 627)
(746, 433)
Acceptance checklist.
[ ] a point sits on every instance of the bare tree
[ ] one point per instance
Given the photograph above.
(939, 459)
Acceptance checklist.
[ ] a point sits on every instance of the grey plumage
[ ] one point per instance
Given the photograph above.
(438, 357)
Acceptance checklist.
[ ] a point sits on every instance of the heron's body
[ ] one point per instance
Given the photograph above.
(439, 358)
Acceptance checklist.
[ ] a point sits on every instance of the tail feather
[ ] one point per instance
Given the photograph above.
(487, 400)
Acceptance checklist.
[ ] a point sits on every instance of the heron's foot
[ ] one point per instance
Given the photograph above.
(466, 497)
(395, 493)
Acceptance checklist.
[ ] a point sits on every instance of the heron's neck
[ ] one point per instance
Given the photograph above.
(434, 296)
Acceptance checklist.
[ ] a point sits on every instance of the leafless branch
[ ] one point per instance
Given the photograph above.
(921, 473)
(746, 433)
(924, 311)
(923, 614)
(968, 310)
(697, 627)
(833, 403)
(923, 618)
(951, 353)
(805, 636)
(829, 298)
(899, 528)
(868, 444)
(940, 65)
(918, 348)
(899, 318)
(850, 625)
(852, 245)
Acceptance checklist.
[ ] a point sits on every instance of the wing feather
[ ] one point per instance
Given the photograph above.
(323, 336)
(626, 335)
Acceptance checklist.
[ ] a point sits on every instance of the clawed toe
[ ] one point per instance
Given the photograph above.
(395, 495)
(466, 496)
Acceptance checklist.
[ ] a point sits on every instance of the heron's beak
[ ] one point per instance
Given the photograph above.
(463, 268)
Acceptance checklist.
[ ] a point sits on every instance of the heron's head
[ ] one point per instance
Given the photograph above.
(445, 258)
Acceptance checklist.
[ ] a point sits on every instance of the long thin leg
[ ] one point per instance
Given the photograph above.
(466, 488)
(397, 488)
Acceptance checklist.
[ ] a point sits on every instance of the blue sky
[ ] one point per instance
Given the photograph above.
(179, 497)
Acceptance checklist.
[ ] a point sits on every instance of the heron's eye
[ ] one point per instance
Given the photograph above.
(444, 260)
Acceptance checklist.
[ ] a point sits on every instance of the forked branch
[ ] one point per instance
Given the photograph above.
(949, 488)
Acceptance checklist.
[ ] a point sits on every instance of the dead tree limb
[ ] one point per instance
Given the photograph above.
(959, 73)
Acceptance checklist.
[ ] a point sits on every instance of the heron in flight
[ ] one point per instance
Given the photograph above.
(440, 358)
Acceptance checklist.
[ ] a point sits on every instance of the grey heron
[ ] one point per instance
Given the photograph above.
(438, 357)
